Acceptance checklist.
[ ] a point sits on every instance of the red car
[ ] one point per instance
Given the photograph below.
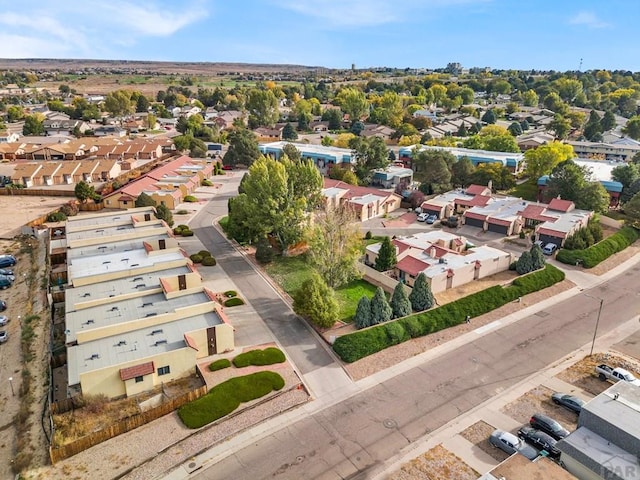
(227, 167)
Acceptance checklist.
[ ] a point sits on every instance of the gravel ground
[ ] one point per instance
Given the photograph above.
(436, 464)
(478, 434)
(582, 373)
(538, 400)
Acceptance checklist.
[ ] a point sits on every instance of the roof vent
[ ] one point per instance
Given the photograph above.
(114, 309)
(141, 285)
(121, 343)
(155, 332)
(160, 342)
(136, 279)
(151, 314)
(95, 356)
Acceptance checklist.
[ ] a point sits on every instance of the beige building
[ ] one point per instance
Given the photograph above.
(366, 202)
(136, 311)
(445, 259)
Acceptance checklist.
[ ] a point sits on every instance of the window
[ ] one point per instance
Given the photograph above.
(164, 370)
(139, 379)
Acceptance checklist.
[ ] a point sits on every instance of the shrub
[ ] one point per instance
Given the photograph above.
(190, 199)
(368, 235)
(179, 229)
(592, 256)
(187, 233)
(56, 217)
(380, 309)
(233, 302)
(70, 209)
(354, 346)
(230, 293)
(209, 261)
(268, 356)
(522, 234)
(196, 258)
(207, 183)
(219, 364)
(227, 396)
(182, 212)
(204, 253)
(264, 251)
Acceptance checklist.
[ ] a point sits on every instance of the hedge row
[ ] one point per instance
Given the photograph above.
(227, 396)
(592, 256)
(219, 364)
(268, 356)
(355, 346)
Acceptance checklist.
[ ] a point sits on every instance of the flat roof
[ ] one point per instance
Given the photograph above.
(113, 247)
(102, 231)
(137, 346)
(84, 221)
(623, 411)
(502, 208)
(566, 221)
(308, 148)
(121, 286)
(467, 152)
(125, 310)
(83, 267)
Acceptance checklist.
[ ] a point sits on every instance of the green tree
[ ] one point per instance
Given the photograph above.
(15, 113)
(33, 124)
(291, 152)
(386, 258)
(334, 117)
(572, 182)
(243, 148)
(142, 104)
(515, 129)
(380, 308)
(362, 318)
(421, 297)
(264, 251)
(500, 176)
(493, 138)
(262, 106)
(632, 127)
(554, 103)
(352, 102)
(370, 154)
(145, 200)
(289, 133)
(632, 209)
(537, 257)
(335, 245)
(163, 213)
(316, 301)
(593, 127)
(83, 191)
(118, 103)
(524, 264)
(543, 159)
(608, 121)
(560, 126)
(489, 117)
(400, 304)
(594, 197)
(462, 172)
(530, 98)
(625, 174)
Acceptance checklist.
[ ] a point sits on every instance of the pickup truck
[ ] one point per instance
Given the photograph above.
(605, 372)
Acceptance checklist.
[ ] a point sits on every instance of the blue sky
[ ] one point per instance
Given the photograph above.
(519, 34)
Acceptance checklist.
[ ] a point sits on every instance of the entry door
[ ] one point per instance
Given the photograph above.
(211, 340)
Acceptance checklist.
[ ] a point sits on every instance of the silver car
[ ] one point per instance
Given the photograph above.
(509, 443)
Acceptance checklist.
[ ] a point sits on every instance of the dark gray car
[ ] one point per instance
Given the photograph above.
(548, 425)
(571, 402)
(509, 443)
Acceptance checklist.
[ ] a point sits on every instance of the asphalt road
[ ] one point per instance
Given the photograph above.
(355, 437)
(301, 344)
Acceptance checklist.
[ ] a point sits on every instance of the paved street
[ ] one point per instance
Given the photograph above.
(353, 438)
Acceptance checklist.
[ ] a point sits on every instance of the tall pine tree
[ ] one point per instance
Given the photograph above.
(421, 297)
(400, 304)
(386, 258)
(362, 318)
(380, 308)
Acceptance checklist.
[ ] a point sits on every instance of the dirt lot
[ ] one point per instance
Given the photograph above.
(23, 210)
(582, 373)
(538, 400)
(478, 434)
(436, 464)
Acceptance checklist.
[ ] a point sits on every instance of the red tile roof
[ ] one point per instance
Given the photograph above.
(191, 342)
(561, 205)
(476, 216)
(401, 245)
(476, 189)
(411, 265)
(551, 233)
(136, 371)
(354, 190)
(499, 221)
(478, 200)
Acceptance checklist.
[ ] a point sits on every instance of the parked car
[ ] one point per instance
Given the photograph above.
(4, 336)
(3, 320)
(549, 248)
(571, 402)
(422, 217)
(5, 282)
(509, 443)
(3, 305)
(605, 372)
(431, 219)
(539, 243)
(539, 440)
(7, 261)
(6, 271)
(548, 425)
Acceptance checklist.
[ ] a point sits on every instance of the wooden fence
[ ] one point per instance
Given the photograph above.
(123, 426)
(37, 192)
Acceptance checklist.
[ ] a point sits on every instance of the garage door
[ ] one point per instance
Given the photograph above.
(549, 239)
(498, 228)
(431, 212)
(474, 222)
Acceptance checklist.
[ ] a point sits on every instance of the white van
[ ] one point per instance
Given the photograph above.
(549, 248)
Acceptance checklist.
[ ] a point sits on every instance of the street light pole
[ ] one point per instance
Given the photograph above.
(595, 330)
(13, 393)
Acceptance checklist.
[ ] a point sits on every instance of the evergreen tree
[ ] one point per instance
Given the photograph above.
(380, 308)
(537, 258)
(362, 318)
(524, 263)
(145, 200)
(264, 251)
(386, 259)
(400, 304)
(163, 213)
(315, 301)
(421, 297)
(489, 117)
(289, 133)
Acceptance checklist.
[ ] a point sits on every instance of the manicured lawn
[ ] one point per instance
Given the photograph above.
(372, 240)
(527, 191)
(289, 272)
(349, 295)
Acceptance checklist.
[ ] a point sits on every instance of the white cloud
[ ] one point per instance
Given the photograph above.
(588, 19)
(92, 29)
(364, 13)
